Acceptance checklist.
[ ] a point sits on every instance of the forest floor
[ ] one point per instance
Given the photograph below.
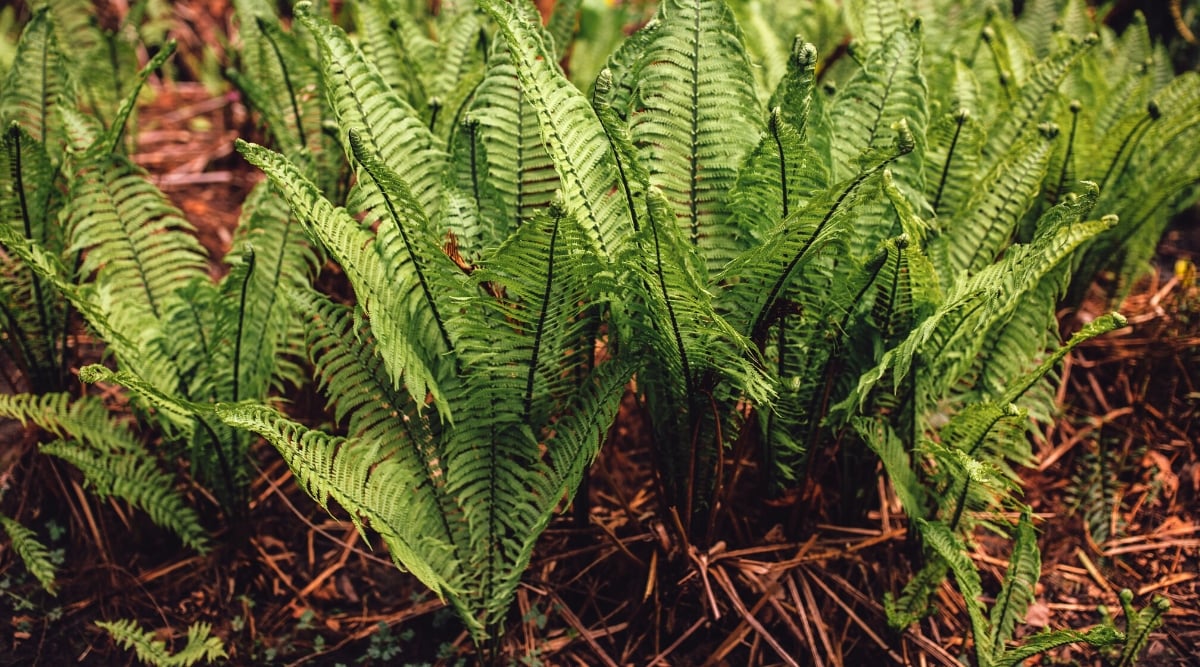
(1116, 492)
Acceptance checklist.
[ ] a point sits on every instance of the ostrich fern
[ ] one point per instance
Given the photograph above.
(791, 256)
(85, 231)
(784, 264)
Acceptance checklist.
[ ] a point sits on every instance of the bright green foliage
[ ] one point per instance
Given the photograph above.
(201, 646)
(992, 632)
(868, 261)
(31, 315)
(112, 460)
(875, 264)
(471, 393)
(84, 226)
(32, 553)
(1139, 625)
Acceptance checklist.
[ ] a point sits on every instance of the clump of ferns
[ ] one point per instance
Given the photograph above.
(128, 263)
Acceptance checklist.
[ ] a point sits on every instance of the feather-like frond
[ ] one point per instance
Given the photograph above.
(409, 355)
(951, 549)
(32, 553)
(200, 646)
(571, 133)
(889, 88)
(37, 83)
(135, 240)
(695, 116)
(989, 219)
(1020, 582)
(363, 101)
(113, 462)
(519, 168)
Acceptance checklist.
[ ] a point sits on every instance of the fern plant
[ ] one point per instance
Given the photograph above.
(201, 646)
(467, 377)
(90, 230)
(35, 556)
(786, 265)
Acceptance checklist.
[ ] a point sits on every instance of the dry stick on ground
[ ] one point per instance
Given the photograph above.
(749, 621)
(701, 622)
(857, 620)
(588, 636)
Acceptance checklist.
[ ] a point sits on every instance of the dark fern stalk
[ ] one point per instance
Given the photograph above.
(556, 215)
(248, 258)
(267, 30)
(960, 117)
(1069, 156)
(1130, 141)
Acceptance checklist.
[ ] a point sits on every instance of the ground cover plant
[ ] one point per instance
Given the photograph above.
(812, 272)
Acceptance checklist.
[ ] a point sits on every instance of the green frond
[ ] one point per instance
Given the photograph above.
(766, 42)
(1020, 584)
(873, 22)
(134, 239)
(1003, 61)
(28, 187)
(563, 23)
(543, 314)
(762, 273)
(781, 175)
(914, 602)
(988, 431)
(624, 66)
(1097, 327)
(101, 61)
(693, 350)
(950, 548)
(37, 83)
(88, 301)
(893, 310)
(695, 116)
(1043, 642)
(378, 23)
(1036, 24)
(571, 133)
(518, 166)
(1032, 328)
(952, 162)
(283, 259)
(988, 220)
(1139, 625)
(279, 76)
(113, 462)
(461, 50)
(32, 553)
(988, 301)
(889, 87)
(887, 445)
(363, 101)
(368, 481)
(410, 356)
(350, 372)
(177, 410)
(133, 475)
(796, 93)
(1005, 134)
(201, 646)
(110, 141)
(31, 312)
